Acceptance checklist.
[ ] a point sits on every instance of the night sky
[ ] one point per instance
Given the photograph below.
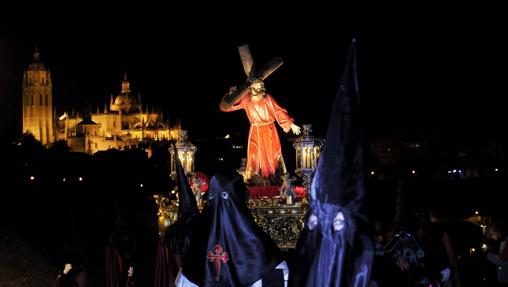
(431, 68)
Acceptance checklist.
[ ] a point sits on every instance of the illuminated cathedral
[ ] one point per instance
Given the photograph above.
(121, 125)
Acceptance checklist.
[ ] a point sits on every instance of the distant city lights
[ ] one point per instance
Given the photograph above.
(456, 172)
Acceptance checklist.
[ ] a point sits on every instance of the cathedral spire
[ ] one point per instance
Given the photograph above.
(125, 84)
(140, 103)
(37, 56)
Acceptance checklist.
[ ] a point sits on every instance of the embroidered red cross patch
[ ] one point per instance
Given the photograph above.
(218, 254)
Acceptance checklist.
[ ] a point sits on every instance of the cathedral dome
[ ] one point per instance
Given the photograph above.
(125, 102)
(124, 99)
(36, 66)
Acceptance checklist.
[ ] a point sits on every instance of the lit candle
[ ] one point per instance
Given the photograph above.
(308, 165)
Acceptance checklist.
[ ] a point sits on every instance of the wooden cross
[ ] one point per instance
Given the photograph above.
(250, 71)
(218, 254)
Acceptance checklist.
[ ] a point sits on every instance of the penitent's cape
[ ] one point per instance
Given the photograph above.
(227, 247)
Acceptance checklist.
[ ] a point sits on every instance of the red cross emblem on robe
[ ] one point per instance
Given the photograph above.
(217, 255)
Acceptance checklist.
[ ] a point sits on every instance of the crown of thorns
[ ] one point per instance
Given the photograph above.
(253, 81)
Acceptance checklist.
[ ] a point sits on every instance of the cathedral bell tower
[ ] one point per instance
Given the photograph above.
(38, 101)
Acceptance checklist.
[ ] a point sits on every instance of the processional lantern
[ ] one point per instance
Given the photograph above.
(186, 151)
(167, 212)
(307, 153)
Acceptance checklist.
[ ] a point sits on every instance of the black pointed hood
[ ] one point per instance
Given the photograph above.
(339, 175)
(187, 204)
(177, 234)
(333, 249)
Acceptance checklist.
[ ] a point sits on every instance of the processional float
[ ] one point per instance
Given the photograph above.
(280, 216)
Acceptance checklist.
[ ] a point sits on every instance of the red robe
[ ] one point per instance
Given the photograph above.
(263, 150)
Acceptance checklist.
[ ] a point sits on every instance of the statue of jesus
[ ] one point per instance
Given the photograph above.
(264, 155)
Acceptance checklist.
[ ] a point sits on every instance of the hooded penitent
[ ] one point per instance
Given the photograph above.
(227, 247)
(333, 249)
(170, 252)
(187, 210)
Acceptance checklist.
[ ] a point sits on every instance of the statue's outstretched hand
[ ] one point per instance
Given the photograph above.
(295, 129)
(232, 90)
